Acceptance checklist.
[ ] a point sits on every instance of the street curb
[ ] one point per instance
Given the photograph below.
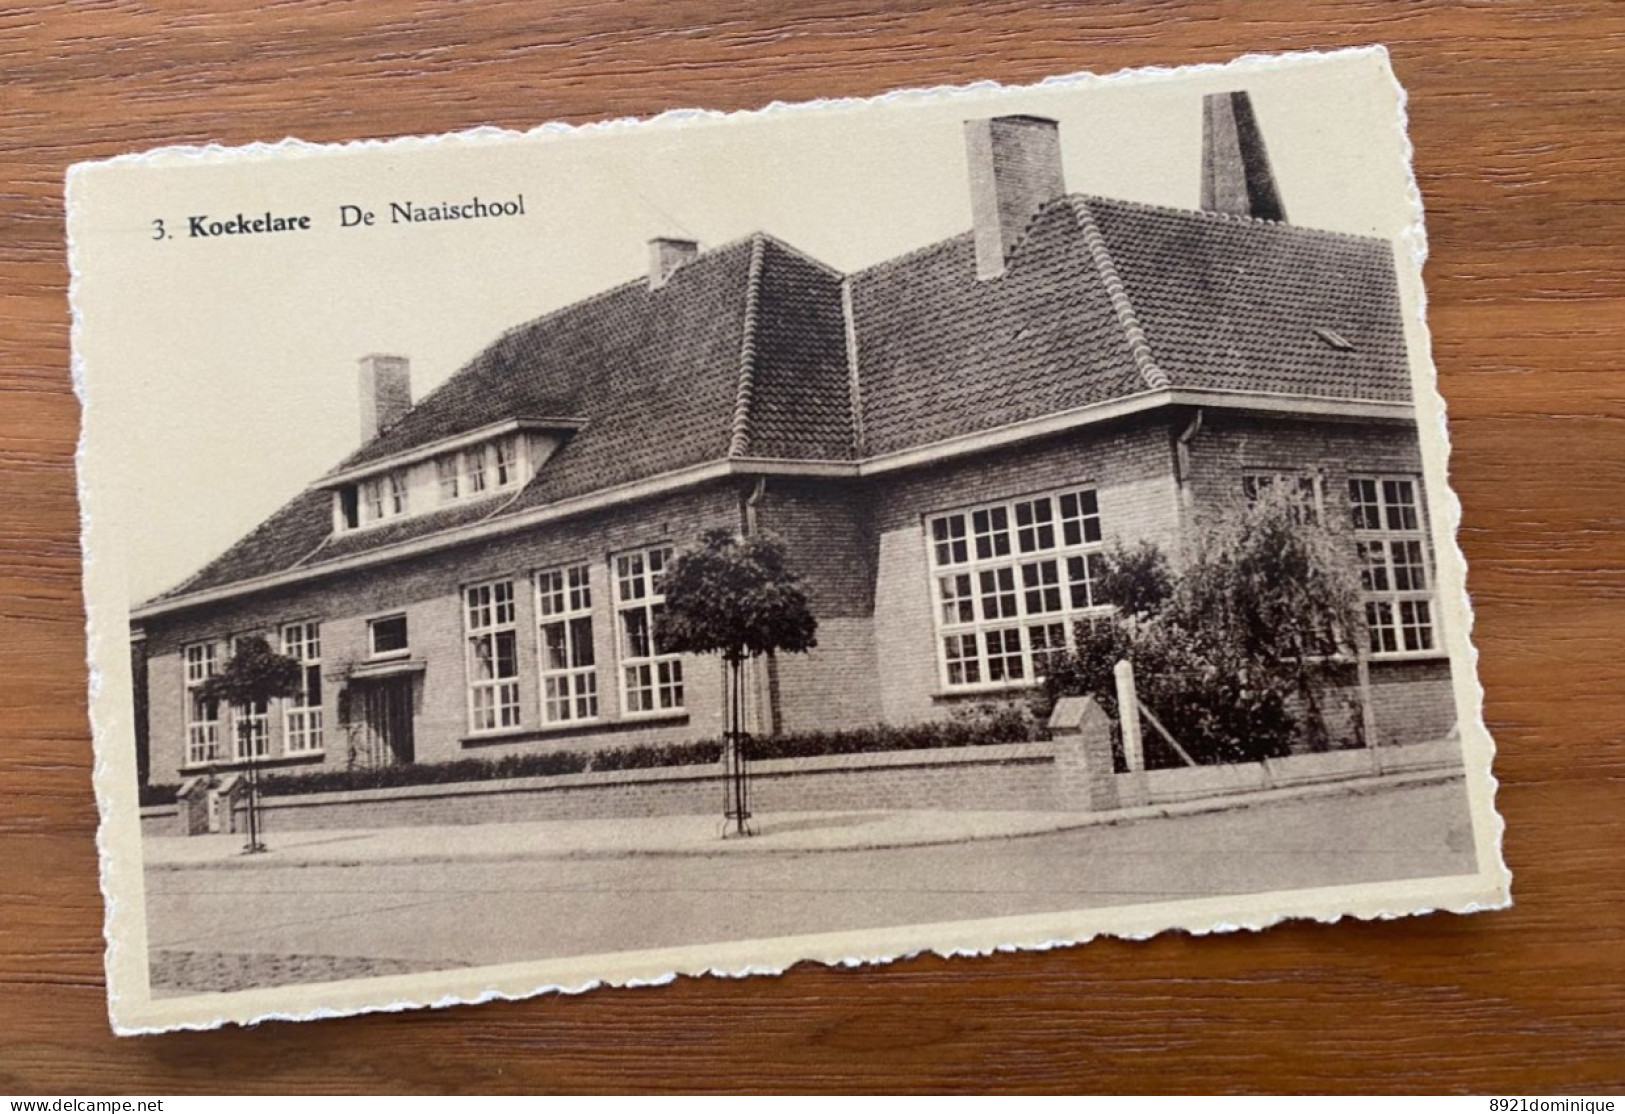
(1352, 787)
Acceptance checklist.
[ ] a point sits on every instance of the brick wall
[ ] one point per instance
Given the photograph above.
(1230, 444)
(826, 527)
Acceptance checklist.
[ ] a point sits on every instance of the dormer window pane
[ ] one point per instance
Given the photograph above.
(450, 477)
(474, 470)
(397, 493)
(507, 461)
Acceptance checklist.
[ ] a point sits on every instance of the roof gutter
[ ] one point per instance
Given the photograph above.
(1092, 414)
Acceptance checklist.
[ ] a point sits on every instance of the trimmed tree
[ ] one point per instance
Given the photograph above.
(736, 597)
(253, 677)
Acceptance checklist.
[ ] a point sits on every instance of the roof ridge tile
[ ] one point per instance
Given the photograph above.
(739, 443)
(1154, 376)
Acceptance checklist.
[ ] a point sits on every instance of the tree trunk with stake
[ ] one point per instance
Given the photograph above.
(735, 752)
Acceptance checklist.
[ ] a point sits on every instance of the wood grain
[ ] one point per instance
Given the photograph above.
(1518, 116)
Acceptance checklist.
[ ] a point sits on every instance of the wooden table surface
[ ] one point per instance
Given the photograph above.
(1518, 115)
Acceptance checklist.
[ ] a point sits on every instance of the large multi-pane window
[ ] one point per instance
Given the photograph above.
(302, 714)
(651, 681)
(493, 656)
(1386, 515)
(569, 675)
(1009, 581)
(202, 713)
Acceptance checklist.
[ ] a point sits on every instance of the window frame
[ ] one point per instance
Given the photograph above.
(303, 720)
(580, 681)
(506, 707)
(663, 681)
(373, 653)
(1386, 535)
(1025, 558)
(448, 475)
(209, 659)
(505, 462)
(1310, 484)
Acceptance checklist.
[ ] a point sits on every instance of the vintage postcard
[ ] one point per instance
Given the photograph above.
(968, 519)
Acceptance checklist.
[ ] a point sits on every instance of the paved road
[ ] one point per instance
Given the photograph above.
(218, 929)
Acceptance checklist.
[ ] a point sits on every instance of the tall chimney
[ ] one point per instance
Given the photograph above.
(1015, 170)
(1236, 175)
(386, 393)
(666, 254)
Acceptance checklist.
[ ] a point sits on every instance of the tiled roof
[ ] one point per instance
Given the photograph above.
(1233, 303)
(942, 353)
(744, 352)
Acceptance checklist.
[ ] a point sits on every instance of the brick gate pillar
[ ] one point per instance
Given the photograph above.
(1083, 754)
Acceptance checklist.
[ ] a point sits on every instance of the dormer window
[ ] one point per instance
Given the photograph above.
(495, 461)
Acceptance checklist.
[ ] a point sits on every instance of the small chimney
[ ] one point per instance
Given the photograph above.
(386, 393)
(1015, 170)
(1236, 175)
(666, 255)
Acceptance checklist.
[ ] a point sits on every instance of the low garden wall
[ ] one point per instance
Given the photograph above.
(997, 777)
(1010, 776)
(1191, 783)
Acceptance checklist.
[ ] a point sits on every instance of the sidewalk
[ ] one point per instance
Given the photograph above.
(781, 833)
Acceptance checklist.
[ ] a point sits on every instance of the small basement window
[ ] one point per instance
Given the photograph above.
(1334, 339)
(386, 637)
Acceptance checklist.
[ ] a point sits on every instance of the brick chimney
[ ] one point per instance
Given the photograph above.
(1015, 170)
(666, 255)
(386, 393)
(1236, 176)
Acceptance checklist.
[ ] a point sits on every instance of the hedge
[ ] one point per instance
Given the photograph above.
(978, 728)
(158, 795)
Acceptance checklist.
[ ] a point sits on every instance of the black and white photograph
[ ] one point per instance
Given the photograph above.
(969, 519)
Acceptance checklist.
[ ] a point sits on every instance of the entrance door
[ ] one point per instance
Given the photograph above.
(386, 721)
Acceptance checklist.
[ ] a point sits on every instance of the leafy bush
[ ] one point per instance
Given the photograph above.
(1233, 652)
(979, 726)
(150, 795)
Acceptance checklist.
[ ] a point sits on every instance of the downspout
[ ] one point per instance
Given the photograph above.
(1182, 471)
(764, 670)
(751, 502)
